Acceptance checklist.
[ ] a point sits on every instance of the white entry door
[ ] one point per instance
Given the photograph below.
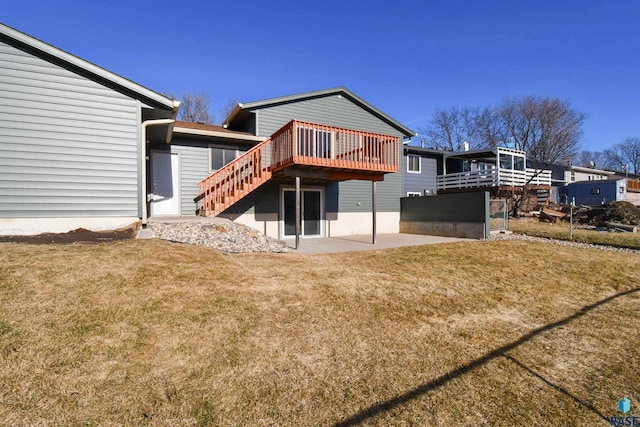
(165, 183)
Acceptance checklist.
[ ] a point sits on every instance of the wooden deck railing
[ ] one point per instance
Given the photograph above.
(235, 180)
(310, 144)
(297, 143)
(493, 178)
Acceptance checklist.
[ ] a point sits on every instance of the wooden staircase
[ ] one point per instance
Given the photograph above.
(235, 180)
(350, 154)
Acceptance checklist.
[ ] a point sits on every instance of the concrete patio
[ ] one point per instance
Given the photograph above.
(363, 243)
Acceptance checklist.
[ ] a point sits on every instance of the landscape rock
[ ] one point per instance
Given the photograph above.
(226, 236)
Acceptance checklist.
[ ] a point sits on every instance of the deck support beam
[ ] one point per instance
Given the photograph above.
(373, 209)
(298, 212)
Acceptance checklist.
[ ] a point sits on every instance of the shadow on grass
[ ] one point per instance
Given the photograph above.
(557, 387)
(423, 389)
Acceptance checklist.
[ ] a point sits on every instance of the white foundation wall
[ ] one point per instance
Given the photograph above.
(33, 226)
(348, 223)
(268, 228)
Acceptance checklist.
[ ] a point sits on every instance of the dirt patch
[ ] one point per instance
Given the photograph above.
(77, 235)
(620, 212)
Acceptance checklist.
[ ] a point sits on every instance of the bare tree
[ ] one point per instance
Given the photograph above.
(195, 108)
(450, 129)
(625, 154)
(590, 159)
(547, 129)
(228, 107)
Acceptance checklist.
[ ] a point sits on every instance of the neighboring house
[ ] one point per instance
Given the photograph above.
(420, 169)
(563, 175)
(501, 171)
(337, 145)
(83, 147)
(578, 173)
(72, 140)
(597, 192)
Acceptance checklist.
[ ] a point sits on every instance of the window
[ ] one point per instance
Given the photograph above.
(518, 163)
(220, 156)
(573, 175)
(506, 161)
(595, 191)
(413, 194)
(413, 164)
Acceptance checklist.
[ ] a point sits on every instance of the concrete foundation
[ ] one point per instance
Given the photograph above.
(469, 230)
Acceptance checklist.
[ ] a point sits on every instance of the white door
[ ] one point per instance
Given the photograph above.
(165, 183)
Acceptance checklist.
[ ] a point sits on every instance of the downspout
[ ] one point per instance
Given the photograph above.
(143, 169)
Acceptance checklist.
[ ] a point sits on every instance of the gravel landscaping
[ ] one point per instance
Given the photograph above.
(514, 236)
(224, 235)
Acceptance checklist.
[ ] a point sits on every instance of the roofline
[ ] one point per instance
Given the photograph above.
(213, 133)
(592, 170)
(236, 110)
(22, 39)
(321, 93)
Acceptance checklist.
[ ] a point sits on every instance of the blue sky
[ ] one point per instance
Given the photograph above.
(404, 57)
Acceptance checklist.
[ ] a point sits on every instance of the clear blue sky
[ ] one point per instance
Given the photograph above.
(405, 57)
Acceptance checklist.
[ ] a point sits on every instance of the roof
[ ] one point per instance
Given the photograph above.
(413, 149)
(202, 129)
(590, 170)
(53, 54)
(319, 94)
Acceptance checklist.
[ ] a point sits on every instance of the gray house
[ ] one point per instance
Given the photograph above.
(331, 141)
(83, 147)
(499, 170)
(420, 169)
(72, 140)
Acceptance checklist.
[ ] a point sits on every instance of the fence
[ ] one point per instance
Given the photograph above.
(498, 215)
(452, 215)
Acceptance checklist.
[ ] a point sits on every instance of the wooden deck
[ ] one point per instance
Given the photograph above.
(493, 178)
(301, 149)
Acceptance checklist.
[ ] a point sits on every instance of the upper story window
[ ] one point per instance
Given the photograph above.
(220, 156)
(413, 164)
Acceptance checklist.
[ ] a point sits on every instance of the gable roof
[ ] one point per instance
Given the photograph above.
(78, 65)
(319, 94)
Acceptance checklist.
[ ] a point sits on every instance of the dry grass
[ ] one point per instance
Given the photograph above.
(561, 231)
(153, 333)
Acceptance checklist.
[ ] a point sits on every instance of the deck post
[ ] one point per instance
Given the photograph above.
(297, 212)
(373, 209)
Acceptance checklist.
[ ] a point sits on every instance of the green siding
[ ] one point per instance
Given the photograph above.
(336, 110)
